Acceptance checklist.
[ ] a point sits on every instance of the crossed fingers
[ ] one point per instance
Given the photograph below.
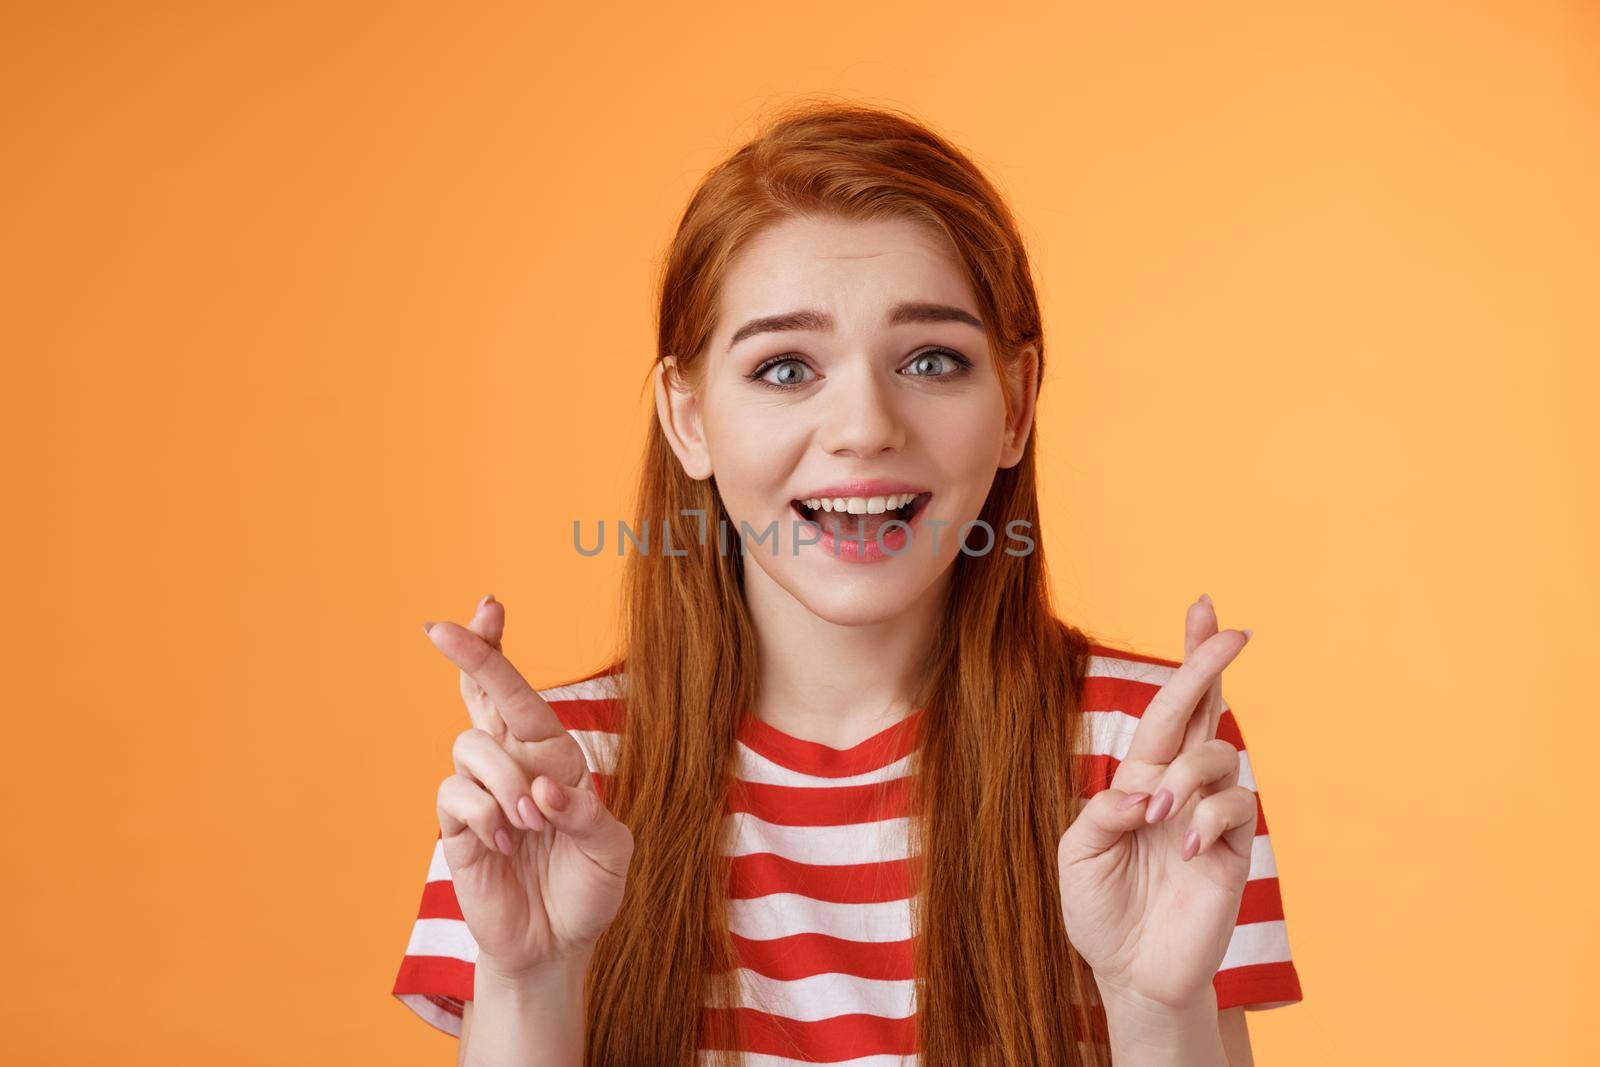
(1176, 739)
(521, 708)
(1160, 735)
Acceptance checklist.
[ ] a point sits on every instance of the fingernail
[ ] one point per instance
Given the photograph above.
(1131, 800)
(427, 626)
(558, 798)
(1191, 845)
(1205, 598)
(1159, 807)
(503, 839)
(1247, 632)
(530, 813)
(485, 600)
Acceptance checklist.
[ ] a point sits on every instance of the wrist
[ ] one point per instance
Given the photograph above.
(1152, 1033)
(527, 1014)
(547, 975)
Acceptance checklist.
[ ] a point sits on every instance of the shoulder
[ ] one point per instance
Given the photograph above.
(592, 702)
(1118, 684)
(1122, 679)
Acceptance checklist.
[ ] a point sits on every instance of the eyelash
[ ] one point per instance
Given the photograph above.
(963, 364)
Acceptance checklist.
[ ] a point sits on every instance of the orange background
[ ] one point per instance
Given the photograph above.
(322, 320)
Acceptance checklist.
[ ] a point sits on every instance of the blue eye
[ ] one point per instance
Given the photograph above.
(936, 357)
(791, 372)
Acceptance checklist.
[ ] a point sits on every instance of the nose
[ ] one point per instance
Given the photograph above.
(861, 419)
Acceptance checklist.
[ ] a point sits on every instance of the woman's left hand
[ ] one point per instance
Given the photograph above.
(1151, 906)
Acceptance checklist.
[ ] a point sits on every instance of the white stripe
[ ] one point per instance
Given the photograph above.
(862, 842)
(442, 937)
(786, 914)
(438, 868)
(877, 842)
(1264, 942)
(599, 749)
(1130, 670)
(431, 1013)
(1111, 734)
(762, 1059)
(1263, 863)
(823, 996)
(1154, 674)
(754, 767)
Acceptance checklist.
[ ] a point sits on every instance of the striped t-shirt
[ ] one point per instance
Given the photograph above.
(819, 900)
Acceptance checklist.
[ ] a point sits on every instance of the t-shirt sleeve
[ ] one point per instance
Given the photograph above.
(436, 971)
(1257, 971)
(435, 978)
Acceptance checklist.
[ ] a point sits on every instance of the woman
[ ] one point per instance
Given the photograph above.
(849, 791)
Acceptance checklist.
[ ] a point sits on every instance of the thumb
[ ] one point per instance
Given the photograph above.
(1101, 823)
(583, 816)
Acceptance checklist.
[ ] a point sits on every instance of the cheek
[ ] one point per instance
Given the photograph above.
(969, 443)
(753, 452)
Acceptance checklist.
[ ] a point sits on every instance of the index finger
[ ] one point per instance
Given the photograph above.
(1199, 624)
(524, 711)
(1159, 735)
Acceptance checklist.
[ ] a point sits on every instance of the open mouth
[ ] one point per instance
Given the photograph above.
(857, 513)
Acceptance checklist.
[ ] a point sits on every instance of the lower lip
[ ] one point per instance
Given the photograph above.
(853, 550)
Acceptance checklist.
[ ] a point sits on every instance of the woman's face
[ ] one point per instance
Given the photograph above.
(848, 366)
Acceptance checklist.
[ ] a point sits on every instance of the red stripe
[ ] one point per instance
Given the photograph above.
(1262, 902)
(1228, 729)
(842, 1037)
(604, 713)
(1257, 983)
(803, 955)
(438, 975)
(809, 757)
(439, 901)
(851, 883)
(1131, 698)
(839, 805)
(1096, 773)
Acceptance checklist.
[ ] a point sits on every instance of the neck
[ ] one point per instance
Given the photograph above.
(832, 683)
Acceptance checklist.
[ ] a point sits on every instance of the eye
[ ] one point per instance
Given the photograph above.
(783, 372)
(938, 363)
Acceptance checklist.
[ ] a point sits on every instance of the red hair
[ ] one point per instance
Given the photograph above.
(997, 981)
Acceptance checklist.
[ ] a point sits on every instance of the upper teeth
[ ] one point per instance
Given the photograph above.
(860, 505)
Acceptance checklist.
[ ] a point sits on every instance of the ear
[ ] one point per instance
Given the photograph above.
(678, 408)
(1021, 383)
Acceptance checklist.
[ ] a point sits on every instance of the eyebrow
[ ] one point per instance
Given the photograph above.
(908, 311)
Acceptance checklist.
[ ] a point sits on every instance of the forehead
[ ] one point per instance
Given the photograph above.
(851, 269)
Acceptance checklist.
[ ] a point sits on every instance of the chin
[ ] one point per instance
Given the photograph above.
(847, 607)
(851, 594)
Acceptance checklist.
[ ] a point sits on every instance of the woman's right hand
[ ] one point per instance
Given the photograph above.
(537, 861)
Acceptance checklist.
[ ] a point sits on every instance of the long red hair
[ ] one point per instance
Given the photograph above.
(996, 783)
